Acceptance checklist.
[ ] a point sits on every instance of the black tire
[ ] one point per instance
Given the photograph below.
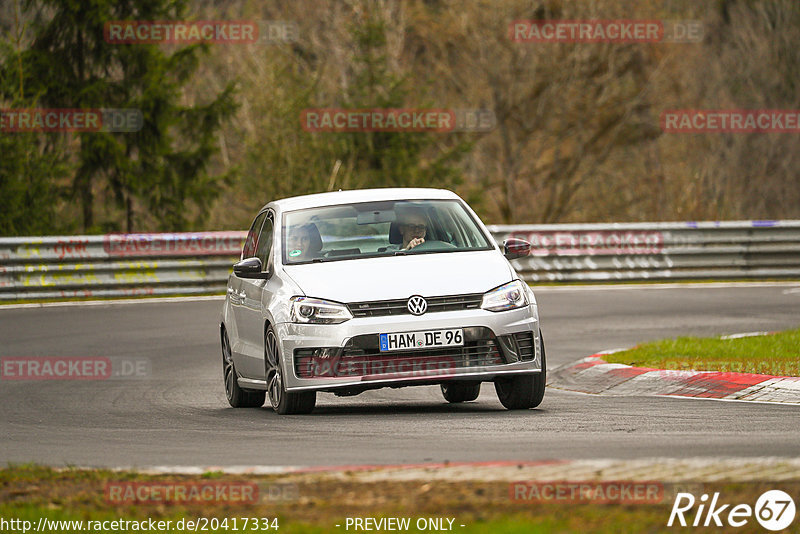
(282, 401)
(524, 391)
(461, 391)
(237, 397)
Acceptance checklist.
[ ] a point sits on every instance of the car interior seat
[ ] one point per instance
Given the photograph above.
(395, 237)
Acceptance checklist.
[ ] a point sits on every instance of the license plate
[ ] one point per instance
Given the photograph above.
(453, 337)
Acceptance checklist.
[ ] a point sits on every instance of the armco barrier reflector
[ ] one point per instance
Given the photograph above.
(190, 263)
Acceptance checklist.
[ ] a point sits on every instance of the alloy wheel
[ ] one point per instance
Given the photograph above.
(227, 366)
(274, 376)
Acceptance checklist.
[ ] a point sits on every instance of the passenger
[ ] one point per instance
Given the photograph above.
(303, 242)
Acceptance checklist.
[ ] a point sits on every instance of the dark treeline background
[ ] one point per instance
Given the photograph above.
(577, 137)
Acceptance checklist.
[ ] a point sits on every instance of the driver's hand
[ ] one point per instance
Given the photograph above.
(414, 242)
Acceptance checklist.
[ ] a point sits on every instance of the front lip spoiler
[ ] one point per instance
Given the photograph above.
(399, 381)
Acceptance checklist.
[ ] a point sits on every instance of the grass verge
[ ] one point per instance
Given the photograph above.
(317, 504)
(775, 354)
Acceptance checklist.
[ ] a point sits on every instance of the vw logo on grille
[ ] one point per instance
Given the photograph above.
(417, 305)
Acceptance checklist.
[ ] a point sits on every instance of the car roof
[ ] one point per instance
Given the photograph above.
(362, 195)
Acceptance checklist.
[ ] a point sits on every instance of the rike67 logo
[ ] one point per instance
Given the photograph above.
(774, 510)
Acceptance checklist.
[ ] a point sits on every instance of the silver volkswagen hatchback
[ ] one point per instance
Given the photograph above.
(349, 291)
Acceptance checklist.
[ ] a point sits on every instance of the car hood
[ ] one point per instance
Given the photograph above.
(399, 277)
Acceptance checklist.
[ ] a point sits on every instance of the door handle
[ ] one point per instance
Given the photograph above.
(235, 296)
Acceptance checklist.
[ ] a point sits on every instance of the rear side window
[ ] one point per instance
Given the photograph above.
(251, 243)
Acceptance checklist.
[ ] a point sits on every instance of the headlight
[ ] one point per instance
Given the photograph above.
(506, 297)
(315, 311)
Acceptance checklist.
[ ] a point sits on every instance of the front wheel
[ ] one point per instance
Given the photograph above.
(461, 391)
(237, 397)
(282, 401)
(524, 391)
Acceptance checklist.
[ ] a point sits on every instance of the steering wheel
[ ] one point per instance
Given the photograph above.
(432, 245)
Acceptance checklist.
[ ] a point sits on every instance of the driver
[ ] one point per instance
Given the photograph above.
(413, 228)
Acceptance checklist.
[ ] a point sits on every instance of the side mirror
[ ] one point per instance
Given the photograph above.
(249, 268)
(514, 248)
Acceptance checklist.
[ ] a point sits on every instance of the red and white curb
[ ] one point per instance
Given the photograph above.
(595, 375)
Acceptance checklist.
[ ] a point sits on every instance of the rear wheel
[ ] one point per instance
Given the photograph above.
(282, 401)
(524, 391)
(237, 397)
(461, 391)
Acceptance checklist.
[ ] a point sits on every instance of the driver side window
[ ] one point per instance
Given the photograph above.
(264, 247)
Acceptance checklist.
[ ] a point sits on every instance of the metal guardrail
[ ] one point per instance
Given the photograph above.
(658, 251)
(116, 265)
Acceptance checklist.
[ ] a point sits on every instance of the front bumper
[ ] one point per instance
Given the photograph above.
(332, 357)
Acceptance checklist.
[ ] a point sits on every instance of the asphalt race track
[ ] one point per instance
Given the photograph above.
(178, 414)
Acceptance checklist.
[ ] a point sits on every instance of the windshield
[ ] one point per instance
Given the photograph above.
(386, 228)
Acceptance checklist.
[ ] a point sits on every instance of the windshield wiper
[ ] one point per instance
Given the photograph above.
(306, 262)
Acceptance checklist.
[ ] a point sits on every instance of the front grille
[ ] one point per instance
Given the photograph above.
(380, 308)
(362, 357)
(358, 362)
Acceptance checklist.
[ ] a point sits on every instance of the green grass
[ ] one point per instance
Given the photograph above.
(776, 354)
(31, 492)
